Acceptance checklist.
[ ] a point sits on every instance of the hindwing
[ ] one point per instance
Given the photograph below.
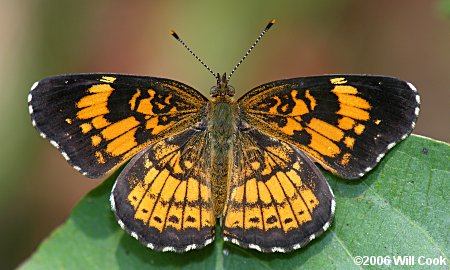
(163, 196)
(278, 199)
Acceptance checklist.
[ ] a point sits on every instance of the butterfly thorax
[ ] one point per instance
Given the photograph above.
(222, 128)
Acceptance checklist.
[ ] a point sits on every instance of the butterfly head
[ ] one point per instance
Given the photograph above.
(222, 89)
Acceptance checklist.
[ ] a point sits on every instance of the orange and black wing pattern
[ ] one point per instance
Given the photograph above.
(278, 200)
(98, 121)
(163, 197)
(345, 122)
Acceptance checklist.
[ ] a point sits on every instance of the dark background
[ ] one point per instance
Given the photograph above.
(406, 39)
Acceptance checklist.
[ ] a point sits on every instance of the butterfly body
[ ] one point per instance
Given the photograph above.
(222, 130)
(248, 162)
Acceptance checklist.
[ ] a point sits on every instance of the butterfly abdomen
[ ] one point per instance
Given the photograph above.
(222, 129)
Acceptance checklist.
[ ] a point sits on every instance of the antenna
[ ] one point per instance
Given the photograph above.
(175, 35)
(253, 46)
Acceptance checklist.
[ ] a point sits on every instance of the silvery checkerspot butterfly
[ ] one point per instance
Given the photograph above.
(247, 165)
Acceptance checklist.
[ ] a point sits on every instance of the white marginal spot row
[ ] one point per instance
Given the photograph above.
(150, 245)
(413, 125)
(54, 143)
(296, 246)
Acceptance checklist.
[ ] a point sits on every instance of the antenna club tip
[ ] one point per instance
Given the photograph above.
(272, 22)
(175, 35)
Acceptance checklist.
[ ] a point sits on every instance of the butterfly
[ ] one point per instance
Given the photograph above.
(247, 165)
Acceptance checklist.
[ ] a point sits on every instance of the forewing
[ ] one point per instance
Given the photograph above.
(98, 121)
(346, 123)
(163, 196)
(278, 200)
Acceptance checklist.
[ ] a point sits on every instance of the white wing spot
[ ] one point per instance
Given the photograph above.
(391, 145)
(418, 99)
(235, 241)
(312, 237)
(134, 235)
(412, 87)
(121, 224)
(30, 109)
(333, 206)
(29, 97)
(193, 246)
(209, 241)
(113, 203)
(77, 168)
(65, 155)
(42, 134)
(54, 144)
(326, 226)
(380, 156)
(34, 86)
(416, 111)
(278, 249)
(168, 249)
(253, 246)
(368, 169)
(150, 245)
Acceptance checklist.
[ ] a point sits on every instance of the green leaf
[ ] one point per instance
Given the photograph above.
(399, 209)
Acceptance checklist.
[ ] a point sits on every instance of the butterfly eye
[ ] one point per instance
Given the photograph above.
(231, 91)
(213, 91)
